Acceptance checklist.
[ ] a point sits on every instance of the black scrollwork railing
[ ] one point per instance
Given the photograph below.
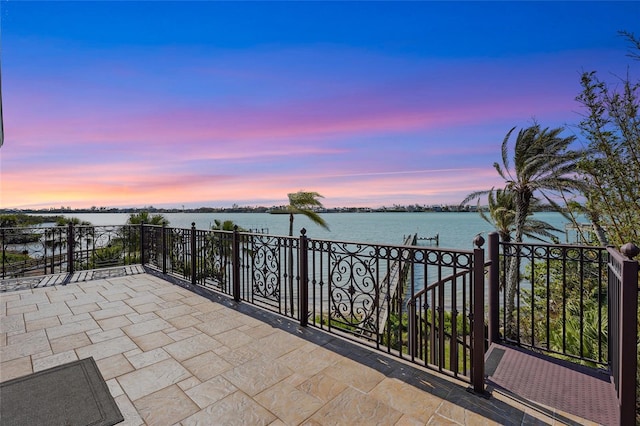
(33, 251)
(554, 298)
(360, 291)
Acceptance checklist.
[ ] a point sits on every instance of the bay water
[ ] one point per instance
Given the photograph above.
(455, 230)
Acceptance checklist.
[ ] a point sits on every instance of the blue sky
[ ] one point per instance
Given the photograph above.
(221, 103)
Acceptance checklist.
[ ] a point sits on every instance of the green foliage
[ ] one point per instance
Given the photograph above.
(611, 128)
(147, 218)
(21, 219)
(303, 202)
(568, 296)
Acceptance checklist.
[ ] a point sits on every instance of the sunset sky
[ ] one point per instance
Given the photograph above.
(219, 103)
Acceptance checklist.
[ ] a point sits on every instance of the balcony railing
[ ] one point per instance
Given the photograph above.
(422, 304)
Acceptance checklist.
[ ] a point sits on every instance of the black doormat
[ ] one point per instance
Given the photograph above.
(70, 394)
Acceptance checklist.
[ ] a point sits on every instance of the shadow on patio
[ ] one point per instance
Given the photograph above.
(172, 355)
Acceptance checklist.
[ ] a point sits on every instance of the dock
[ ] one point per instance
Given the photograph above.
(435, 239)
(394, 282)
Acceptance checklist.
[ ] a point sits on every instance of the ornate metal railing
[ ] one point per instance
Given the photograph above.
(360, 291)
(31, 251)
(553, 298)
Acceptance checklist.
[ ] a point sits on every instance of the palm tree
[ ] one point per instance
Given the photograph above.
(303, 202)
(542, 163)
(502, 214)
(147, 219)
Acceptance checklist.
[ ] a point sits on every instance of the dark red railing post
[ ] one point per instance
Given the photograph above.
(493, 248)
(235, 263)
(303, 282)
(142, 243)
(194, 274)
(164, 247)
(70, 248)
(477, 327)
(4, 254)
(628, 326)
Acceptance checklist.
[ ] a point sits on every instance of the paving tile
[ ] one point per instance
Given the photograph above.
(138, 318)
(189, 383)
(112, 312)
(69, 318)
(143, 299)
(234, 338)
(23, 344)
(86, 308)
(154, 340)
(217, 326)
(184, 321)
(71, 341)
(192, 346)
(406, 398)
(309, 363)
(114, 366)
(142, 328)
(176, 311)
(72, 328)
(129, 412)
(146, 308)
(147, 358)
(167, 406)
(323, 387)
(18, 367)
(183, 333)
(114, 322)
(54, 360)
(107, 348)
(288, 403)
(356, 408)
(439, 420)
(22, 309)
(114, 388)
(12, 323)
(206, 365)
(257, 375)
(152, 378)
(236, 409)
(354, 374)
(42, 323)
(100, 336)
(238, 356)
(213, 390)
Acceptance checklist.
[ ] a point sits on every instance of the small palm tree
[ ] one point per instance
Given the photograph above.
(304, 203)
(301, 202)
(147, 219)
(502, 214)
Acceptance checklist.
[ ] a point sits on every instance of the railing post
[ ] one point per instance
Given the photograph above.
(628, 327)
(477, 372)
(194, 275)
(70, 248)
(303, 282)
(4, 254)
(142, 243)
(164, 247)
(494, 287)
(235, 263)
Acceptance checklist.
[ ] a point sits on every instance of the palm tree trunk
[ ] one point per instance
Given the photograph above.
(523, 200)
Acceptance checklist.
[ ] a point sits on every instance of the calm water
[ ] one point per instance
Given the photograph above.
(456, 230)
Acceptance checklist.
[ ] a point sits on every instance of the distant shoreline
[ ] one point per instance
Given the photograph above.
(260, 209)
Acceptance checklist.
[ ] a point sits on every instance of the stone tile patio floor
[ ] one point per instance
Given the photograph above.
(171, 356)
